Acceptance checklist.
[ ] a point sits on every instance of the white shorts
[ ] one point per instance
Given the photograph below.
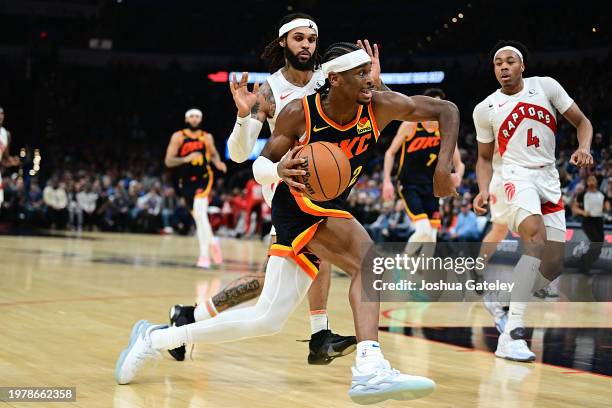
(268, 194)
(497, 201)
(531, 192)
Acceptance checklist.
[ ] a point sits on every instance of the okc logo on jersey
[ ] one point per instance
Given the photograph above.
(364, 125)
(510, 190)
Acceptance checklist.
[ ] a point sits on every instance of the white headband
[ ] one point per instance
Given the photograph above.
(298, 22)
(345, 62)
(508, 48)
(191, 112)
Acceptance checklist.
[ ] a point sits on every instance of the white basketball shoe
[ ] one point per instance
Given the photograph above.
(137, 353)
(512, 346)
(386, 383)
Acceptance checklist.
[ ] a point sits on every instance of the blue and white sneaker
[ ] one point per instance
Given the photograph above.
(497, 310)
(386, 383)
(512, 346)
(137, 353)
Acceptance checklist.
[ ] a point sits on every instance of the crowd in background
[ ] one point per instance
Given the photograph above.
(138, 196)
(102, 120)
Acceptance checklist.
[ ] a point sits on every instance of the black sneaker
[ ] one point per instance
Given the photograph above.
(325, 346)
(179, 316)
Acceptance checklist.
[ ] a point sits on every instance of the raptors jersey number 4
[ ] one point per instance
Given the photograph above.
(523, 124)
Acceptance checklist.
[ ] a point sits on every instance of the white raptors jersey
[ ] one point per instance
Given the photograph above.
(285, 92)
(3, 146)
(3, 141)
(523, 124)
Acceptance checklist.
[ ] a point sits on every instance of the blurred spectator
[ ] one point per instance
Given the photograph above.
(169, 204)
(56, 200)
(466, 229)
(590, 204)
(86, 206)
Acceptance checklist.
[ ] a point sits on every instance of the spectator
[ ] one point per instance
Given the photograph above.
(86, 200)
(149, 214)
(56, 201)
(466, 229)
(590, 205)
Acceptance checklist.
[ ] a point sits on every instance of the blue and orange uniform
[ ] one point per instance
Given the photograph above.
(294, 215)
(418, 159)
(195, 179)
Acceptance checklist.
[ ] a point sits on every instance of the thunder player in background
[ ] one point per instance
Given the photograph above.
(294, 64)
(420, 147)
(191, 151)
(5, 159)
(521, 116)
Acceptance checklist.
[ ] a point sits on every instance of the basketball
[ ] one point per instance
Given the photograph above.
(328, 170)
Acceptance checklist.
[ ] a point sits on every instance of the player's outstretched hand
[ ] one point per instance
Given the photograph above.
(221, 166)
(443, 184)
(387, 191)
(480, 203)
(581, 158)
(286, 169)
(243, 98)
(373, 53)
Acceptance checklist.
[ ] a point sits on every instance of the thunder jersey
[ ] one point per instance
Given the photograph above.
(419, 154)
(523, 124)
(356, 139)
(197, 171)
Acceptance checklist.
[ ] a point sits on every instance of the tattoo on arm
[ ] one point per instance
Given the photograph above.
(238, 291)
(267, 97)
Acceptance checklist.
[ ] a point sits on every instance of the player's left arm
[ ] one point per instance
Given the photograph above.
(389, 106)
(9, 161)
(458, 166)
(570, 110)
(215, 158)
(582, 156)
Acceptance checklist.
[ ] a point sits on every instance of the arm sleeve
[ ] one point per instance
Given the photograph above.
(556, 94)
(482, 123)
(264, 171)
(243, 138)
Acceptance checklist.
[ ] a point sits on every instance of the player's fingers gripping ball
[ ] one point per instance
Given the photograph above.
(328, 171)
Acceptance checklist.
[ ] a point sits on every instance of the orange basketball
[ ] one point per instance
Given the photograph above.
(328, 170)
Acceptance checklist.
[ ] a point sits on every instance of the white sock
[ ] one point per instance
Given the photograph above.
(524, 275)
(170, 338)
(205, 310)
(515, 316)
(203, 229)
(318, 321)
(369, 356)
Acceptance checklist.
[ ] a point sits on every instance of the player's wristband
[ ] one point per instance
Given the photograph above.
(265, 171)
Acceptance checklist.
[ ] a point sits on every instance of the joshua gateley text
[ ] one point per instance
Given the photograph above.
(406, 285)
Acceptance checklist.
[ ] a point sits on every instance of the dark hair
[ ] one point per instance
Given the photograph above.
(434, 92)
(275, 52)
(510, 43)
(334, 51)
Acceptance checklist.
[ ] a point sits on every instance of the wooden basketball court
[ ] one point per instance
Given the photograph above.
(67, 305)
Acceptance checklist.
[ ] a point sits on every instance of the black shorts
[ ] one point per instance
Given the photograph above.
(296, 218)
(420, 201)
(191, 190)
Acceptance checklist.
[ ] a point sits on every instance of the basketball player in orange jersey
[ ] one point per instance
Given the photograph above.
(420, 147)
(294, 64)
(344, 109)
(190, 151)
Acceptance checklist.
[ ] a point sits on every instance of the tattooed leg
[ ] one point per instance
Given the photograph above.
(236, 292)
